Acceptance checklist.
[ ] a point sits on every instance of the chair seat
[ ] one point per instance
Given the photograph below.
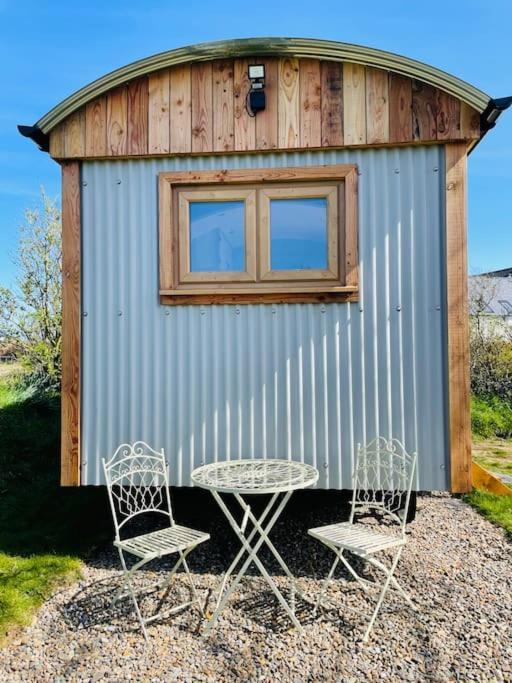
(358, 538)
(163, 542)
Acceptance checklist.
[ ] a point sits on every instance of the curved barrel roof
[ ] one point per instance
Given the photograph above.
(261, 47)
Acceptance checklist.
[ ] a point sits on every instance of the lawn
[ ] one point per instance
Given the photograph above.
(494, 454)
(45, 530)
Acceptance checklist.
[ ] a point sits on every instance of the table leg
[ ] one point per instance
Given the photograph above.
(252, 554)
(257, 526)
(241, 552)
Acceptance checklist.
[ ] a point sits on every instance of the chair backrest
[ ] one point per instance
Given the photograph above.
(137, 482)
(382, 479)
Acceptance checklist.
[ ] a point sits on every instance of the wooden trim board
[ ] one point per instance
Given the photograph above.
(70, 388)
(457, 319)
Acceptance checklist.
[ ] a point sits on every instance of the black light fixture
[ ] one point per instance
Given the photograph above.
(256, 99)
(492, 112)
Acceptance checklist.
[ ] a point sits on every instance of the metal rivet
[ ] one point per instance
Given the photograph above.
(202, 311)
(435, 169)
(326, 465)
(322, 309)
(438, 308)
(359, 172)
(84, 183)
(397, 170)
(443, 467)
(274, 310)
(361, 309)
(119, 313)
(167, 312)
(237, 311)
(118, 181)
(84, 314)
(398, 308)
(450, 186)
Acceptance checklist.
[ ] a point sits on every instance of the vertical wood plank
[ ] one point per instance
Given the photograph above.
(400, 108)
(354, 104)
(469, 122)
(245, 125)
(223, 106)
(57, 136)
(377, 106)
(158, 112)
(332, 104)
(96, 127)
(288, 103)
(448, 117)
(310, 103)
(117, 122)
(138, 117)
(267, 121)
(75, 134)
(70, 386)
(351, 230)
(458, 318)
(424, 111)
(202, 107)
(181, 109)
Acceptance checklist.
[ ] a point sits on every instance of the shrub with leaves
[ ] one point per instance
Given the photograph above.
(30, 312)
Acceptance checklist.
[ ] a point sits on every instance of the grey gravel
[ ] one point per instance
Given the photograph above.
(457, 567)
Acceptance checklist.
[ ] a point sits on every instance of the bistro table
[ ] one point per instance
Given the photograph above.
(276, 478)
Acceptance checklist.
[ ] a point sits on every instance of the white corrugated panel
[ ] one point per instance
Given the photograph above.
(305, 382)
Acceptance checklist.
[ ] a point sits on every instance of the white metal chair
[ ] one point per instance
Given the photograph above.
(382, 482)
(138, 482)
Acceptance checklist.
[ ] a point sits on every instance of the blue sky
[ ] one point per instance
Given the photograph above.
(50, 49)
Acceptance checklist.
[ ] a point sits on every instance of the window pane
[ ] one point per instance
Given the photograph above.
(217, 241)
(298, 234)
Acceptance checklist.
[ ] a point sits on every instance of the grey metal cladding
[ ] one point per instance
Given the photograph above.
(305, 382)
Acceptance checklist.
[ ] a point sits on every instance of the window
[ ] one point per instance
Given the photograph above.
(258, 235)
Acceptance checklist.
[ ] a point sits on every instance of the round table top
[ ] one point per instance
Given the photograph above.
(255, 476)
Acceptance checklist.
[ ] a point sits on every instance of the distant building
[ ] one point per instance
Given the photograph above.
(490, 297)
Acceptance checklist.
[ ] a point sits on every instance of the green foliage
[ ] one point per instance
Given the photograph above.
(44, 528)
(491, 416)
(30, 314)
(497, 509)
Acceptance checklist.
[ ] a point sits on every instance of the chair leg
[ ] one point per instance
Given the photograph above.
(128, 581)
(195, 596)
(389, 577)
(326, 581)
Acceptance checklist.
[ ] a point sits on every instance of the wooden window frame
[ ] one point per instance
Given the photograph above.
(334, 222)
(338, 282)
(184, 196)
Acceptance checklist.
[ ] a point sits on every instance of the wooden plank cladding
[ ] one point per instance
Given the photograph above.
(201, 109)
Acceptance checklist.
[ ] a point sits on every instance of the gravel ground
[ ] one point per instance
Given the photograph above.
(457, 567)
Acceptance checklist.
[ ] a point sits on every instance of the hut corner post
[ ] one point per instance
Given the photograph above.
(70, 387)
(458, 319)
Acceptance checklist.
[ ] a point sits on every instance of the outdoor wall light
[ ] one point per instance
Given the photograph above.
(256, 99)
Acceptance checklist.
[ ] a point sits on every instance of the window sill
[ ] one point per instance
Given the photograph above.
(226, 295)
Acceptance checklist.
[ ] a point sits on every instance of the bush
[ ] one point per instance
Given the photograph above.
(491, 417)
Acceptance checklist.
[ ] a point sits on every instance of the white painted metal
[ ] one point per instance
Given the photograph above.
(255, 476)
(382, 483)
(137, 480)
(245, 477)
(300, 382)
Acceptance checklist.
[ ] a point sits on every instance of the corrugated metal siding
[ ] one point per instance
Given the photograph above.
(305, 382)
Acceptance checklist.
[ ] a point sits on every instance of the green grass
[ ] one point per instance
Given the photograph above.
(491, 417)
(44, 529)
(497, 509)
